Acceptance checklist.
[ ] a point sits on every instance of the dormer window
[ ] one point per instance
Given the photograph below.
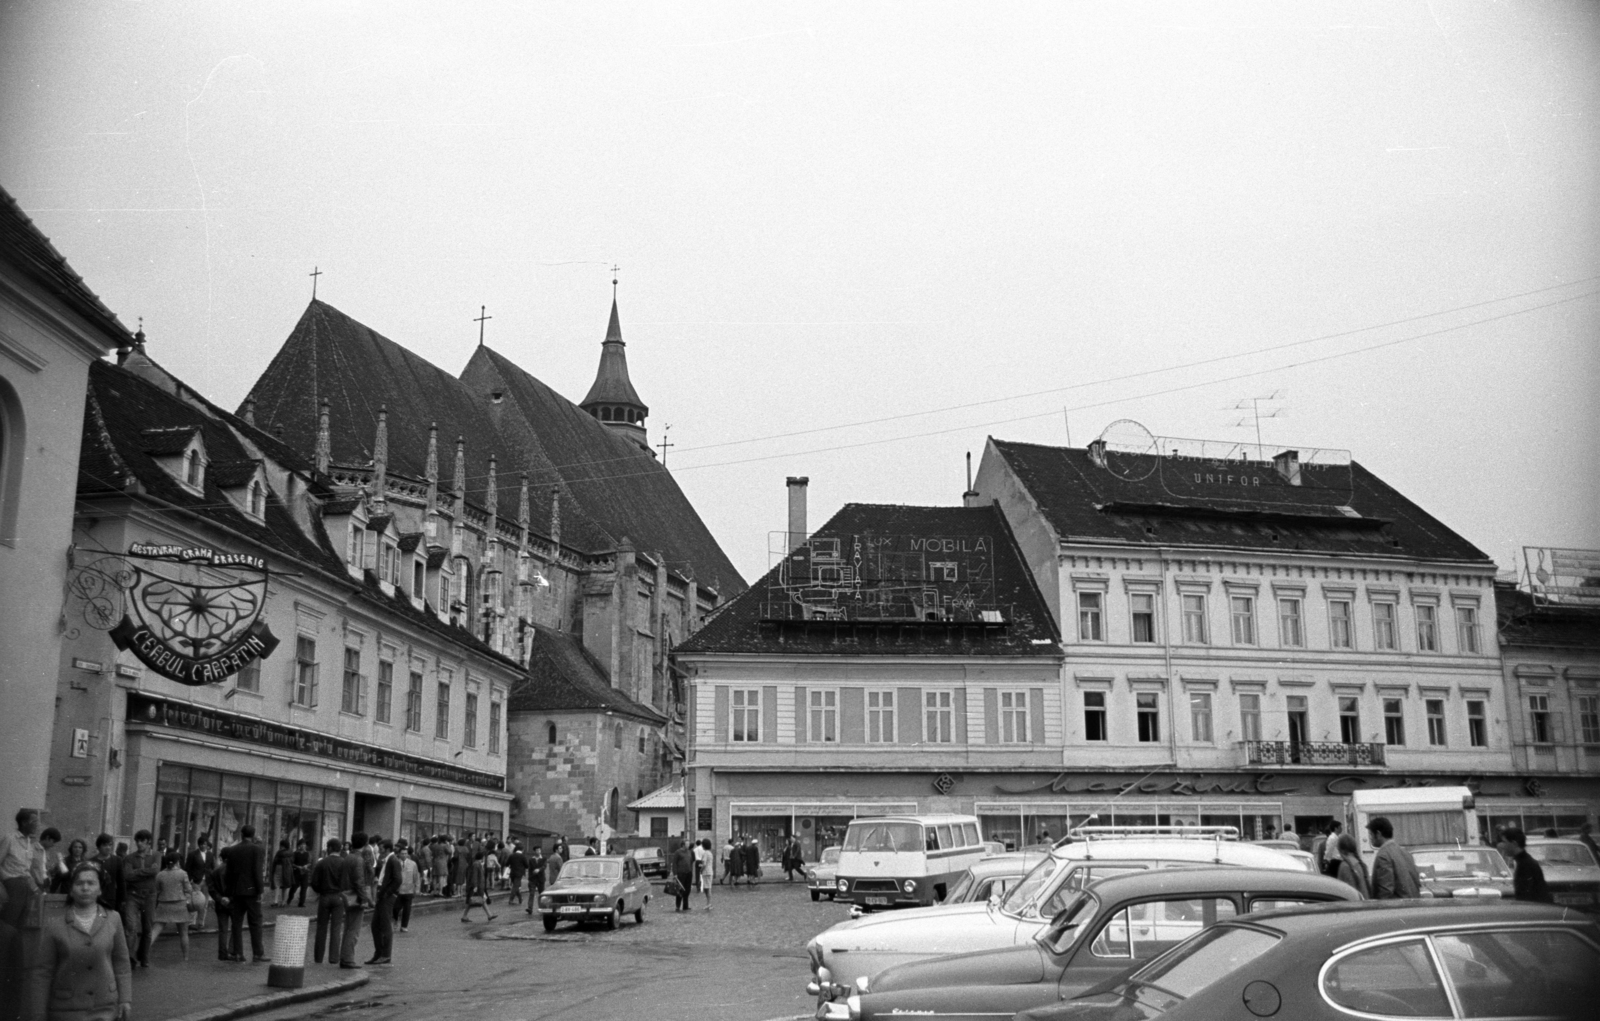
(258, 499)
(191, 468)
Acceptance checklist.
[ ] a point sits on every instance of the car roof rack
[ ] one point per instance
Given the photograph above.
(1089, 834)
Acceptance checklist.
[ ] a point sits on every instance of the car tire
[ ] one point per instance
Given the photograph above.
(638, 914)
(816, 895)
(615, 918)
(549, 923)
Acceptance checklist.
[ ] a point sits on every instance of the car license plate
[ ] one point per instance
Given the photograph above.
(1574, 898)
(877, 900)
(571, 910)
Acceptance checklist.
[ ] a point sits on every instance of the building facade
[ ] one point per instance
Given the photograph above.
(51, 328)
(1252, 635)
(247, 644)
(900, 659)
(545, 529)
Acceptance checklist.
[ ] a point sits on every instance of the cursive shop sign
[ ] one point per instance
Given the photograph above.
(1197, 785)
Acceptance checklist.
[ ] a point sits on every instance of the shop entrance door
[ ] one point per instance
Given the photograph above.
(375, 816)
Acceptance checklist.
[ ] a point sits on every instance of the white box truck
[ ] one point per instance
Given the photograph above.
(1420, 815)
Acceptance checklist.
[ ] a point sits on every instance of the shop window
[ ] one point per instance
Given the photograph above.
(414, 703)
(1339, 630)
(385, 690)
(1477, 723)
(1143, 605)
(939, 718)
(1435, 711)
(822, 719)
(1243, 612)
(1089, 616)
(1194, 619)
(1383, 626)
(1467, 629)
(1094, 716)
(1147, 705)
(1290, 631)
(1427, 627)
(1013, 717)
(1394, 721)
(745, 707)
(305, 671)
(469, 736)
(1349, 719)
(1250, 717)
(880, 717)
(1200, 716)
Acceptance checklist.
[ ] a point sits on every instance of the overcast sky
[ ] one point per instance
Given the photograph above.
(971, 215)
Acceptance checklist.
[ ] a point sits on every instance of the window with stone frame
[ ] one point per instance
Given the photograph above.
(1467, 629)
(441, 712)
(1394, 721)
(385, 690)
(305, 672)
(822, 715)
(1147, 708)
(469, 735)
(1477, 723)
(939, 717)
(744, 707)
(1434, 708)
(353, 698)
(1094, 716)
(1194, 619)
(1249, 716)
(1427, 627)
(1291, 633)
(1589, 718)
(1340, 630)
(1014, 717)
(1349, 719)
(414, 703)
(1384, 633)
(1200, 716)
(880, 716)
(1242, 611)
(1142, 605)
(1091, 609)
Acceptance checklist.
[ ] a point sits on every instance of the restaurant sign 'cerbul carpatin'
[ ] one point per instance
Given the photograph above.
(192, 631)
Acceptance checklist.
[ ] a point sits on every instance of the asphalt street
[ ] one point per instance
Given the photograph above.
(742, 960)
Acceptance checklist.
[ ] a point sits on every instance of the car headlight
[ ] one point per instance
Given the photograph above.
(544, 902)
(844, 885)
(861, 983)
(812, 875)
(599, 898)
(854, 1005)
(909, 886)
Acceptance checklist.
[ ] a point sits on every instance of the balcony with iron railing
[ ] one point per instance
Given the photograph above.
(1312, 753)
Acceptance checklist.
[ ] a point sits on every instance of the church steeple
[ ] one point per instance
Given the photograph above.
(612, 399)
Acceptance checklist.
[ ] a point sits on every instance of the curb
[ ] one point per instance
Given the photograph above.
(272, 1001)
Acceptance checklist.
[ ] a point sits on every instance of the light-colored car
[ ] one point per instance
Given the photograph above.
(1460, 870)
(1292, 848)
(820, 877)
(599, 888)
(1570, 870)
(994, 875)
(866, 946)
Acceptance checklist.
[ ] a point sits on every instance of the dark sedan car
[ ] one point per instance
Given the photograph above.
(1379, 960)
(1104, 931)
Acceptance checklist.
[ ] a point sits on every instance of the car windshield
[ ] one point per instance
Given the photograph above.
(1067, 926)
(1463, 863)
(582, 869)
(878, 835)
(1213, 954)
(830, 856)
(1031, 886)
(1573, 854)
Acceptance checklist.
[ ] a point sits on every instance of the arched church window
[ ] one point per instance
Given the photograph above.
(552, 733)
(605, 414)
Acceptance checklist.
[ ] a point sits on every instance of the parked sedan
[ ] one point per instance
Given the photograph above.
(820, 877)
(599, 888)
(993, 876)
(651, 862)
(1115, 925)
(1382, 959)
(1454, 870)
(1569, 870)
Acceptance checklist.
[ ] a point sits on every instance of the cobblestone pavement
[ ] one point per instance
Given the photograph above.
(742, 960)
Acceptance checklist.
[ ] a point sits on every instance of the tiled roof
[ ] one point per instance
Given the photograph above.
(167, 440)
(564, 677)
(409, 541)
(1028, 629)
(670, 796)
(230, 474)
(1083, 501)
(24, 246)
(1521, 623)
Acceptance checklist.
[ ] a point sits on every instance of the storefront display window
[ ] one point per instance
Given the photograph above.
(420, 820)
(191, 802)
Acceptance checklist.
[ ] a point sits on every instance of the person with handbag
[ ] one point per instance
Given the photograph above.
(327, 883)
(355, 885)
(199, 865)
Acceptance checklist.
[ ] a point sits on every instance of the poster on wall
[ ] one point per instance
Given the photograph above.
(193, 628)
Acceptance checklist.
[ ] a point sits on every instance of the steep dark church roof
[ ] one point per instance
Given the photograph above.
(1026, 628)
(610, 488)
(24, 246)
(611, 383)
(564, 677)
(1362, 514)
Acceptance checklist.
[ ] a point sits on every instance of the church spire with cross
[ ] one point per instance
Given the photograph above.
(612, 399)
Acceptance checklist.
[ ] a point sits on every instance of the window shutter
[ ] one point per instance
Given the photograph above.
(991, 716)
(908, 708)
(769, 714)
(802, 715)
(853, 715)
(959, 702)
(1036, 710)
(722, 714)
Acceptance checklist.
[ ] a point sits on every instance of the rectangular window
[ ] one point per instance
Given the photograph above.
(1094, 716)
(745, 705)
(469, 736)
(385, 690)
(1383, 629)
(305, 671)
(1289, 630)
(1435, 708)
(1244, 619)
(1589, 719)
(1467, 628)
(1194, 619)
(880, 717)
(1014, 717)
(939, 718)
(1250, 717)
(249, 677)
(418, 574)
(494, 729)
(1349, 719)
(414, 704)
(358, 545)
(1144, 617)
(1200, 716)
(1394, 721)
(824, 715)
(441, 719)
(1090, 605)
(1339, 623)
(355, 686)
(1539, 719)
(1477, 723)
(1427, 627)
(1148, 706)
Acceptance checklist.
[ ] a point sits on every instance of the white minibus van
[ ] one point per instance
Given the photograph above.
(905, 860)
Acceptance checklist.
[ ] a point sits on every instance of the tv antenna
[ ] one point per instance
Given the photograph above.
(1253, 406)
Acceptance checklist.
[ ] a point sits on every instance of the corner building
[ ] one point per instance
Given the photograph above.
(1249, 638)
(900, 659)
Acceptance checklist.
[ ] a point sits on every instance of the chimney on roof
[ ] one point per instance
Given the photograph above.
(970, 498)
(1288, 465)
(797, 510)
(323, 453)
(249, 410)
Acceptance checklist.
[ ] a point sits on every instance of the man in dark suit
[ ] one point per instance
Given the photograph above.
(242, 880)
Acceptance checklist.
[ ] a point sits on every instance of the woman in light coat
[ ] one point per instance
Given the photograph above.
(83, 972)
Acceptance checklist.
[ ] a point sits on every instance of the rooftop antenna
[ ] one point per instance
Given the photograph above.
(1253, 405)
(483, 315)
(969, 471)
(315, 272)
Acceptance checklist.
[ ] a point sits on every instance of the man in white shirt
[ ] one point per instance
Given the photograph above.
(21, 864)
